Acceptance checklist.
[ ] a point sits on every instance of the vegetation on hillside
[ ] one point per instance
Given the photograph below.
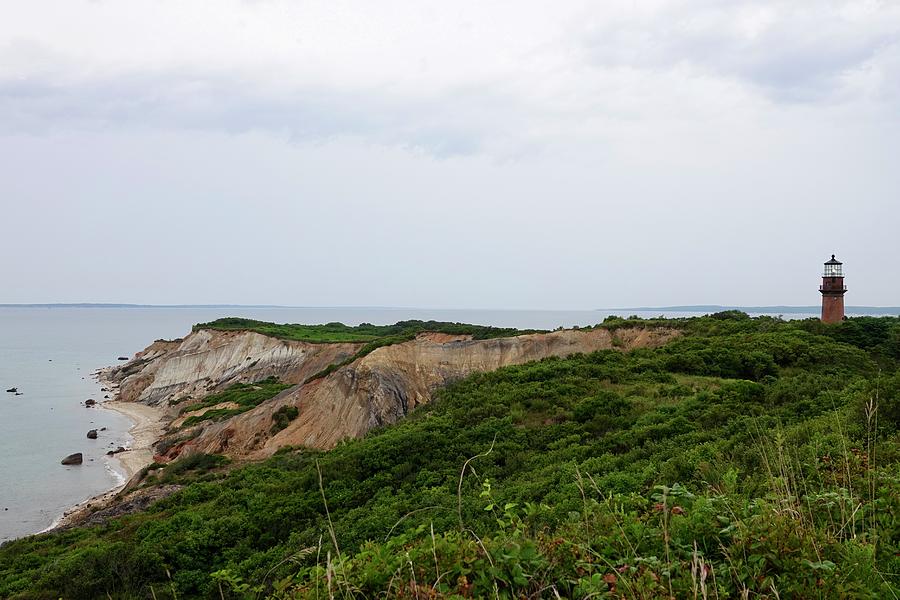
(365, 332)
(373, 336)
(244, 395)
(750, 458)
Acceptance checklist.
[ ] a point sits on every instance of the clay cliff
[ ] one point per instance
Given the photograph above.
(206, 361)
(377, 389)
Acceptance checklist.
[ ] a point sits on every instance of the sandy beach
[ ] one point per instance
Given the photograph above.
(146, 430)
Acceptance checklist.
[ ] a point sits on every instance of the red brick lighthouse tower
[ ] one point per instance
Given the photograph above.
(833, 290)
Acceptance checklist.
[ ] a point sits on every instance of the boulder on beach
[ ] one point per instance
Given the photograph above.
(12, 390)
(73, 459)
(92, 434)
(90, 402)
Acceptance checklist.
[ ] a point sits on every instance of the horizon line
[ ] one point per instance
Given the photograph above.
(774, 308)
(763, 307)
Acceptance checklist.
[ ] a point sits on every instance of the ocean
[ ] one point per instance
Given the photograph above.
(49, 354)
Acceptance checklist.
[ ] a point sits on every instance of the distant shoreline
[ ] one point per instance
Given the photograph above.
(860, 310)
(114, 305)
(711, 308)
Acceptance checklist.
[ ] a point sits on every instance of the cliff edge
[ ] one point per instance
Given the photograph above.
(356, 396)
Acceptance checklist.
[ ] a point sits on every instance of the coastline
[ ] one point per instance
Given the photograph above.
(147, 427)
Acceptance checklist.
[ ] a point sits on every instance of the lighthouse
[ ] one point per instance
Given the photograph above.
(833, 290)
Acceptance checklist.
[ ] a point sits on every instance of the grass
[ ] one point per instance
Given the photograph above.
(751, 458)
(365, 332)
(245, 395)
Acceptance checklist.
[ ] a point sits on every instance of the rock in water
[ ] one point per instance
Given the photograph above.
(123, 358)
(90, 402)
(12, 390)
(92, 434)
(73, 459)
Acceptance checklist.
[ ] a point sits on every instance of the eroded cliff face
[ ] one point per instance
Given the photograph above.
(382, 387)
(206, 361)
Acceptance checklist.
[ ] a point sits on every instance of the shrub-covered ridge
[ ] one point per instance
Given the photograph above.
(752, 457)
(365, 332)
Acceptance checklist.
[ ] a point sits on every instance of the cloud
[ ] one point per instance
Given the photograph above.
(457, 122)
(790, 51)
(510, 153)
(503, 80)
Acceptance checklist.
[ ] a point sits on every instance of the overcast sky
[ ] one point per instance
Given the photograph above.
(463, 154)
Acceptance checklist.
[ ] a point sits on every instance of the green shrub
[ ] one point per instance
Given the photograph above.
(283, 416)
(245, 395)
(552, 477)
(197, 463)
(365, 332)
